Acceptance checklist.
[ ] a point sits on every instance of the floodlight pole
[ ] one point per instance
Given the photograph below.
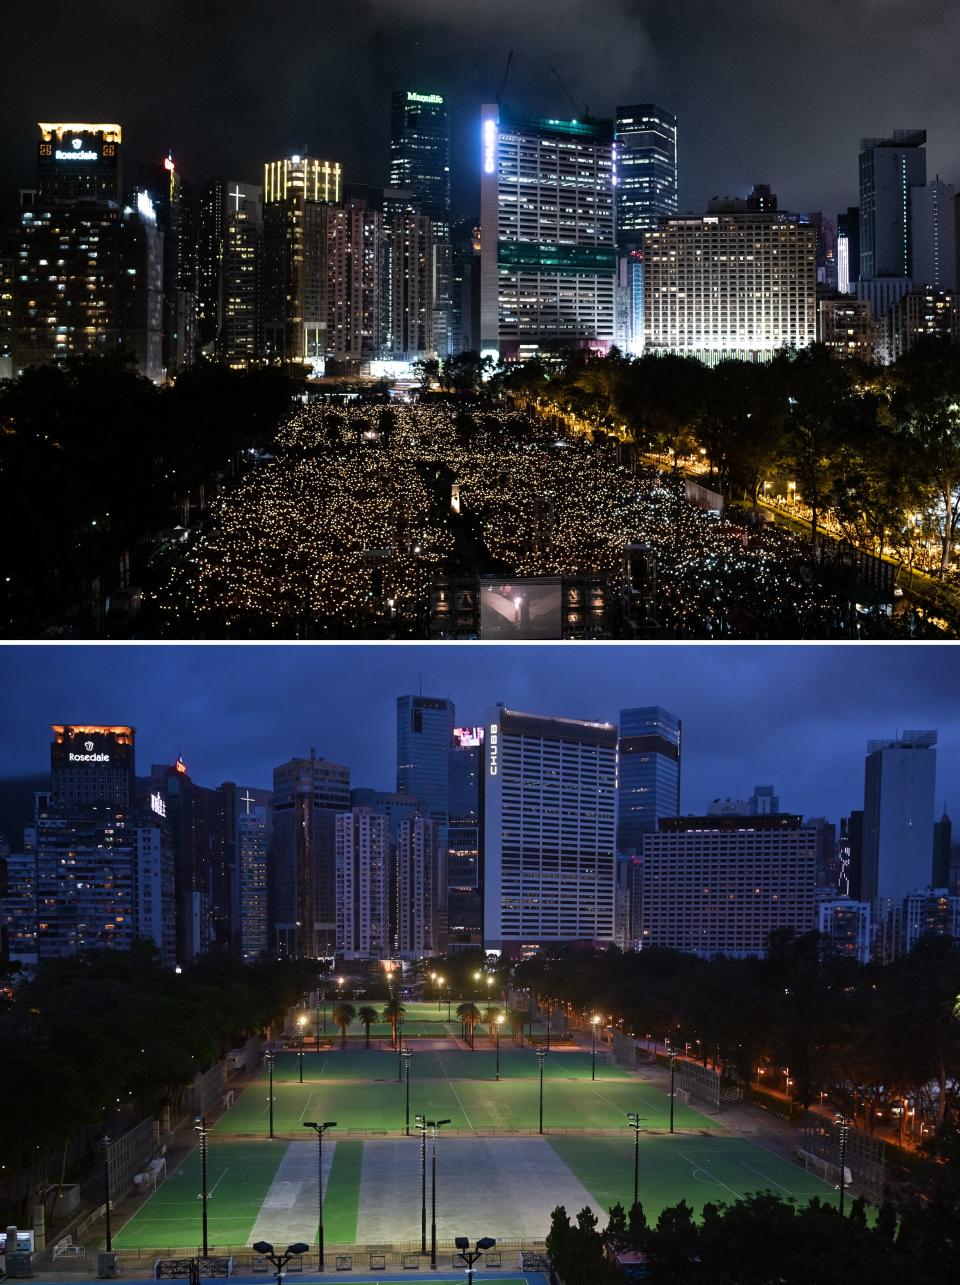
(422, 1126)
(498, 1025)
(300, 1054)
(320, 1130)
(673, 1059)
(633, 1119)
(407, 1057)
(841, 1121)
(108, 1227)
(436, 1126)
(200, 1125)
(268, 1058)
(549, 1015)
(593, 1050)
(399, 1051)
(541, 1055)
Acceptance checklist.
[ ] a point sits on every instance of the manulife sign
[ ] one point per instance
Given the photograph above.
(413, 97)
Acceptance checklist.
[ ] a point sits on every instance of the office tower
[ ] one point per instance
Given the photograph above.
(89, 279)
(92, 764)
(297, 195)
(915, 315)
(548, 254)
(420, 149)
(307, 796)
(889, 168)
(721, 885)
(173, 205)
(848, 249)
(898, 818)
(737, 284)
(362, 928)
(649, 773)
(846, 327)
(645, 137)
(549, 831)
(424, 740)
(251, 875)
(933, 236)
(79, 162)
(354, 250)
(942, 836)
(845, 926)
(228, 266)
(421, 890)
(464, 864)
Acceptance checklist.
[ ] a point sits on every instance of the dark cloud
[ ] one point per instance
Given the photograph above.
(775, 91)
(797, 717)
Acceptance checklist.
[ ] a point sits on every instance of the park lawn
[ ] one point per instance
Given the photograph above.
(342, 1194)
(238, 1178)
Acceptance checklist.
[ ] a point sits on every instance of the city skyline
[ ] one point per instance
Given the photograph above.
(743, 723)
(798, 57)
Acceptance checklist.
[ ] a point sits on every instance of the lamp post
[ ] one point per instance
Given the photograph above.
(421, 1124)
(541, 1054)
(594, 1021)
(498, 1024)
(200, 1125)
(407, 1057)
(301, 1020)
(106, 1182)
(435, 1125)
(280, 1261)
(672, 1054)
(469, 1255)
(841, 1123)
(549, 1015)
(268, 1058)
(319, 1130)
(633, 1120)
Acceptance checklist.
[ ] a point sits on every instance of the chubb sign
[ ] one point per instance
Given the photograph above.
(494, 749)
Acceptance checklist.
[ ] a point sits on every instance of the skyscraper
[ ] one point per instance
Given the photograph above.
(889, 168)
(420, 149)
(464, 865)
(848, 249)
(649, 773)
(547, 253)
(549, 831)
(898, 818)
(79, 162)
(354, 251)
(93, 764)
(424, 740)
(362, 881)
(646, 166)
(297, 194)
(173, 205)
(933, 236)
(421, 890)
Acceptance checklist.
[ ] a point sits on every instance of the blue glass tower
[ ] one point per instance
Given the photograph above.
(424, 741)
(649, 775)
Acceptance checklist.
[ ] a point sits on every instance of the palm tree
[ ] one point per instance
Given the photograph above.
(490, 1015)
(469, 1015)
(518, 1018)
(368, 1016)
(343, 1014)
(394, 1013)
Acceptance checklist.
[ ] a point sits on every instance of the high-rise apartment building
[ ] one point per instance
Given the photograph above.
(308, 793)
(549, 831)
(898, 800)
(424, 741)
(548, 253)
(846, 926)
(92, 764)
(915, 315)
(421, 890)
(409, 293)
(721, 885)
(362, 885)
(738, 284)
(933, 236)
(173, 205)
(889, 169)
(228, 271)
(846, 327)
(297, 195)
(649, 773)
(249, 814)
(646, 169)
(354, 278)
(79, 162)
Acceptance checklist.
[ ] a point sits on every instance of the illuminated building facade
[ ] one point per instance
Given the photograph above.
(173, 205)
(889, 169)
(549, 831)
(933, 235)
(738, 284)
(410, 285)
(646, 168)
(848, 249)
(251, 847)
(721, 885)
(7, 265)
(228, 271)
(846, 927)
(548, 255)
(297, 195)
(362, 884)
(92, 765)
(79, 162)
(464, 865)
(421, 890)
(919, 314)
(846, 327)
(354, 250)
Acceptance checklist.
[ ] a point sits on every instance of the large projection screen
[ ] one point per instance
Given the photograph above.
(525, 608)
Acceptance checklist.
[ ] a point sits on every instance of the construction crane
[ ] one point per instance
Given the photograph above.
(582, 109)
(503, 83)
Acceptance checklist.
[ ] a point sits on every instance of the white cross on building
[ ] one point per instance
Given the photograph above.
(236, 196)
(247, 799)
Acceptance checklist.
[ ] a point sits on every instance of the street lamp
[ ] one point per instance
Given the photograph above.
(594, 1022)
(320, 1130)
(841, 1123)
(436, 1126)
(672, 1053)
(301, 1021)
(634, 1122)
(280, 1261)
(498, 1023)
(200, 1125)
(469, 1255)
(541, 1055)
(268, 1058)
(421, 1125)
(407, 1057)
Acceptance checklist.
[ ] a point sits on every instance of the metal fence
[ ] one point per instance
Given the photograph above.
(701, 1082)
(130, 1152)
(624, 1050)
(206, 1091)
(864, 1156)
(399, 1255)
(494, 1131)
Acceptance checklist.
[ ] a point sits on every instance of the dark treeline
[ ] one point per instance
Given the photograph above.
(94, 459)
(867, 1035)
(872, 446)
(97, 1042)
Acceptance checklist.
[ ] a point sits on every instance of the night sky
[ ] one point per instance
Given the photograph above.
(776, 91)
(796, 717)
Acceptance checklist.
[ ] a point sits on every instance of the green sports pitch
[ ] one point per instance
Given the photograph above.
(365, 1092)
(507, 1186)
